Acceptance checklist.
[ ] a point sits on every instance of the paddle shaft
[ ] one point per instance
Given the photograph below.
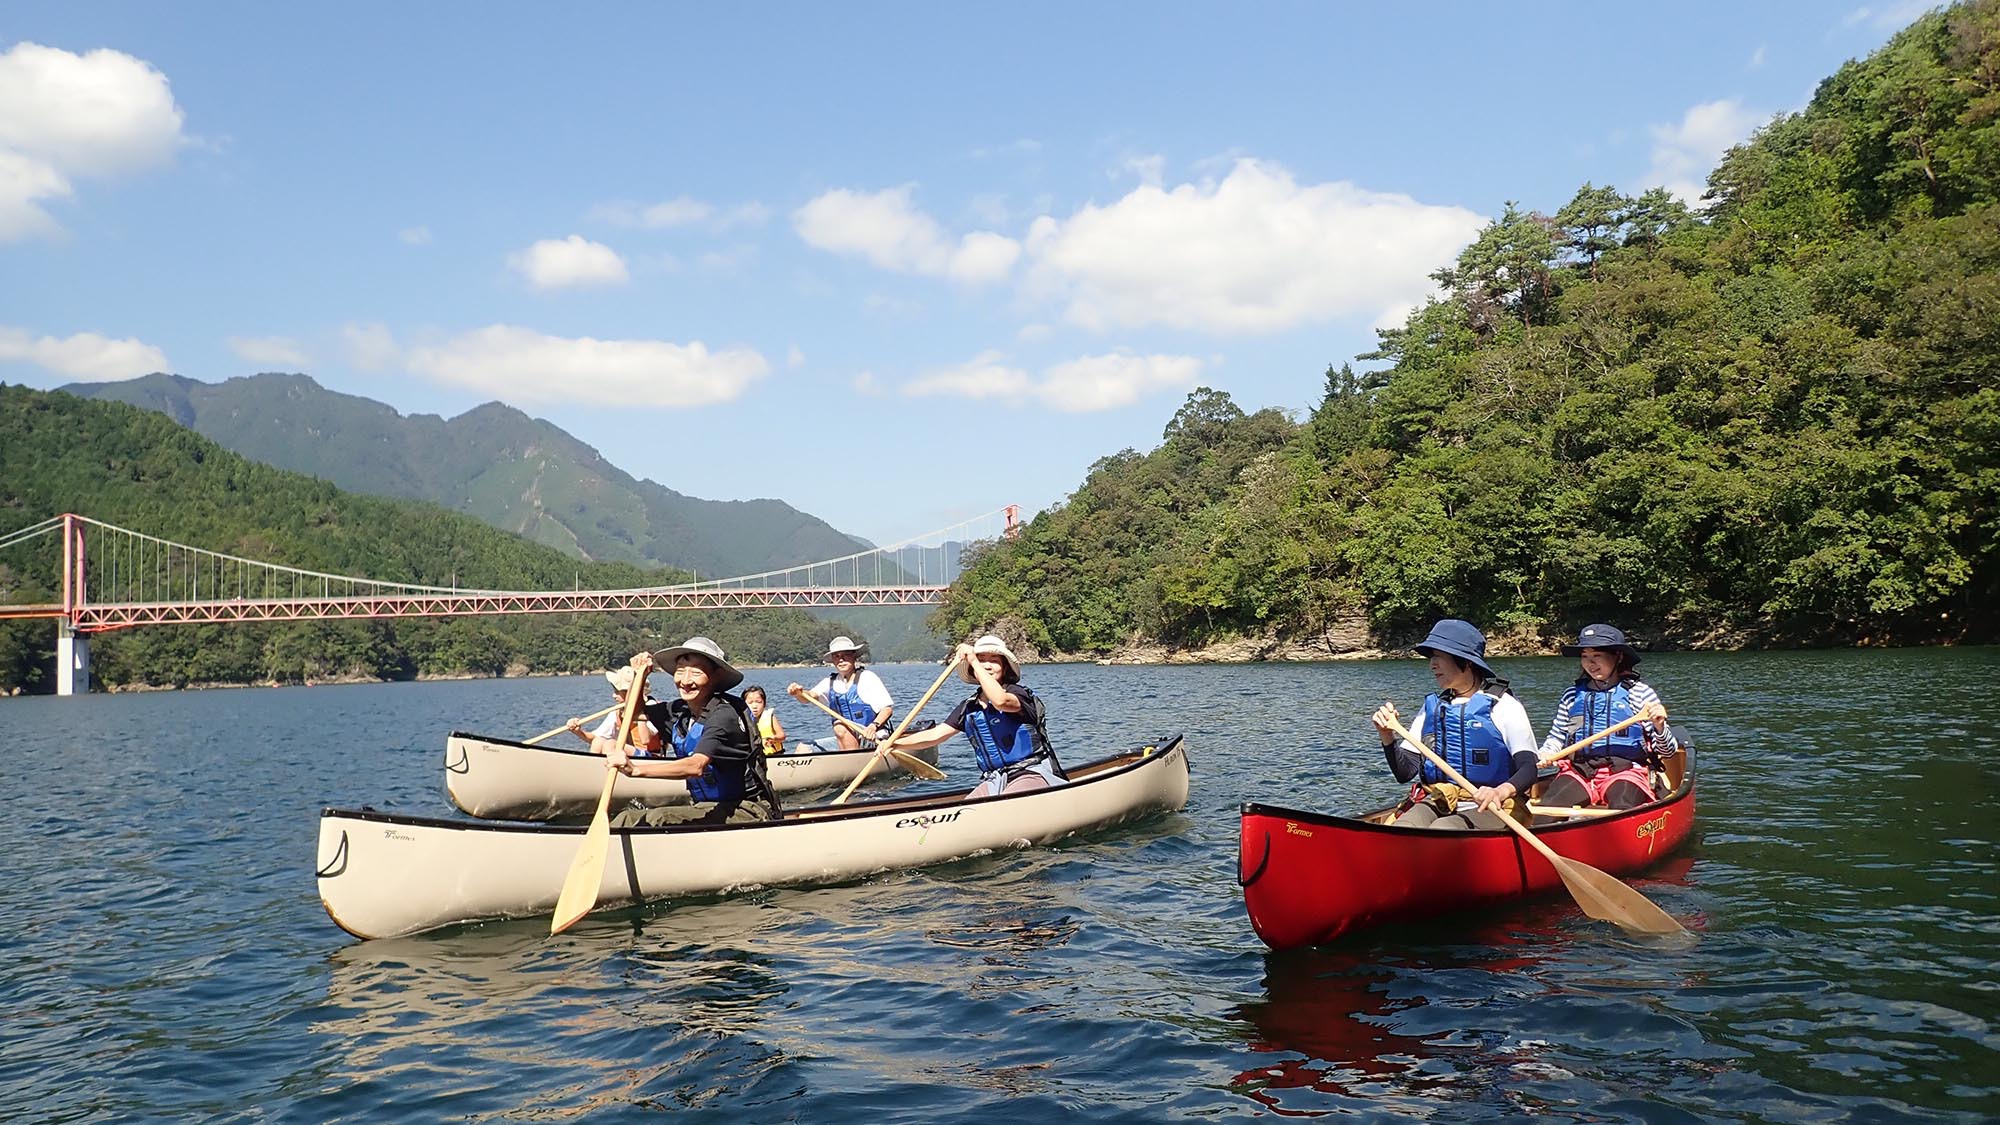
(1458, 779)
(888, 742)
(1607, 732)
(850, 724)
(586, 871)
(910, 762)
(565, 726)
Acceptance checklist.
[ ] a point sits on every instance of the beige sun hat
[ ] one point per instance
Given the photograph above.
(621, 679)
(991, 644)
(726, 675)
(843, 644)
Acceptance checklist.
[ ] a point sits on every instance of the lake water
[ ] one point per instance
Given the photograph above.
(166, 956)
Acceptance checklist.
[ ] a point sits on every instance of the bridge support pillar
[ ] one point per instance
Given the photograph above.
(72, 661)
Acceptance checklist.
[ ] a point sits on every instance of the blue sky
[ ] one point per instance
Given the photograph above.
(893, 264)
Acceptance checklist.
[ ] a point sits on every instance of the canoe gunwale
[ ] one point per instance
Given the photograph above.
(1360, 821)
(1092, 772)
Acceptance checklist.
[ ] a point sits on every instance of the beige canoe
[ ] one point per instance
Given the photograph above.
(382, 875)
(502, 780)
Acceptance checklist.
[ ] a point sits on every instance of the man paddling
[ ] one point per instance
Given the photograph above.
(709, 744)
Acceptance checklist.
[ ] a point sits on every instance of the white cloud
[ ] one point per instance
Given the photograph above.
(795, 358)
(1684, 154)
(984, 376)
(85, 357)
(520, 365)
(273, 353)
(887, 229)
(1255, 252)
(371, 347)
(1077, 386)
(415, 236)
(867, 384)
(1149, 169)
(557, 263)
(1757, 57)
(1890, 17)
(682, 211)
(62, 115)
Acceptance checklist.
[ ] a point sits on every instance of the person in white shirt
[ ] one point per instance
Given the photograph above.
(1471, 721)
(854, 692)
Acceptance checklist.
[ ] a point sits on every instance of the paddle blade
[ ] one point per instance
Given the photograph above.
(586, 875)
(1608, 899)
(586, 871)
(918, 766)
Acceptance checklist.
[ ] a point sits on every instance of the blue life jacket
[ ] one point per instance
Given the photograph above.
(1601, 710)
(1463, 733)
(727, 779)
(710, 784)
(1000, 739)
(848, 702)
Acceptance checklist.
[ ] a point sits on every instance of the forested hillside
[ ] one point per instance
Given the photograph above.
(492, 462)
(137, 469)
(1773, 421)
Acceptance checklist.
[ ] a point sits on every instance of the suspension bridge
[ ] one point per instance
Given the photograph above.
(112, 577)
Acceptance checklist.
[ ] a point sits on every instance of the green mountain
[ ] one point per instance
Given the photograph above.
(140, 470)
(1772, 421)
(493, 463)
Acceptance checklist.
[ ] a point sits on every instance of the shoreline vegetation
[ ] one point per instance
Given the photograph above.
(1770, 422)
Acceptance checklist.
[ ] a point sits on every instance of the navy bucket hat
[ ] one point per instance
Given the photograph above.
(1601, 636)
(1457, 638)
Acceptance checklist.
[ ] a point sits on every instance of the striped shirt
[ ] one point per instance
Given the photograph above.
(1568, 723)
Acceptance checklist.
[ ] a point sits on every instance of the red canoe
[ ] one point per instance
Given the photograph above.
(1311, 877)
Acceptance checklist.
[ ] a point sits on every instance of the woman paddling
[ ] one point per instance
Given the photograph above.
(1472, 721)
(1614, 772)
(1004, 721)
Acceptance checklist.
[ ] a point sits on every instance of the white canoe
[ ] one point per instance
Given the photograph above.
(502, 780)
(382, 875)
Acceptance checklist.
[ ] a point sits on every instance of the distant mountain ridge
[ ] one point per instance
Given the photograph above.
(493, 463)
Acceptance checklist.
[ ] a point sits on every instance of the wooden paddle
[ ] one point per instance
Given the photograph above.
(565, 726)
(909, 762)
(1572, 810)
(1601, 896)
(905, 725)
(586, 871)
(1607, 732)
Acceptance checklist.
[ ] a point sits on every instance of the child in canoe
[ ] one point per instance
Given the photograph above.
(770, 731)
(644, 739)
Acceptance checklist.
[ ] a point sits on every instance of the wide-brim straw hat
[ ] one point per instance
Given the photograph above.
(1458, 638)
(726, 676)
(620, 678)
(992, 645)
(843, 644)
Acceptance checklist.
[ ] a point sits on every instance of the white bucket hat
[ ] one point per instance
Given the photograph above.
(843, 644)
(621, 679)
(726, 675)
(991, 644)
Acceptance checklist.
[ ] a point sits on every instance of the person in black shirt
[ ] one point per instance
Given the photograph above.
(709, 742)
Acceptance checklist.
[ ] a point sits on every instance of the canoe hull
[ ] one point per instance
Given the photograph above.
(381, 875)
(497, 779)
(1311, 877)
